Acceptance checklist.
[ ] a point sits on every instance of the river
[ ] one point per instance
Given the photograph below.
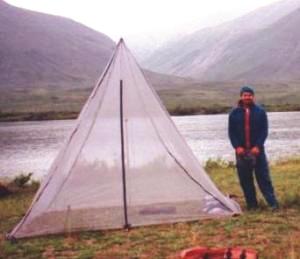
(32, 146)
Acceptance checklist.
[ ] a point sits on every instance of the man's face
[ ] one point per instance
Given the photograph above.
(247, 98)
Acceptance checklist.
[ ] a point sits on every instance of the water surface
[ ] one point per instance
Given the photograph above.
(32, 146)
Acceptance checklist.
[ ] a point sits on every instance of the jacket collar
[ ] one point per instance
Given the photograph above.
(240, 104)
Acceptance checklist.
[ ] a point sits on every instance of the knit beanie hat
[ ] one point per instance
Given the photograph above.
(246, 89)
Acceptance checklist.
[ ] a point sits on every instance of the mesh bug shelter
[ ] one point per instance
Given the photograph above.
(124, 164)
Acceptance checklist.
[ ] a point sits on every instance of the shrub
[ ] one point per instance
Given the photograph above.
(218, 163)
(3, 190)
(22, 179)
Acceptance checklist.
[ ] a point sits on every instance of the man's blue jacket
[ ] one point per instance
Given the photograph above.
(258, 126)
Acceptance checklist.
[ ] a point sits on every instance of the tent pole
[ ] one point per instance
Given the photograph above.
(126, 225)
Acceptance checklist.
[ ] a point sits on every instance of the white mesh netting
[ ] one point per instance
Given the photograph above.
(85, 187)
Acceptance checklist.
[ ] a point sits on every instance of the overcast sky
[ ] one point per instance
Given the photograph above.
(135, 18)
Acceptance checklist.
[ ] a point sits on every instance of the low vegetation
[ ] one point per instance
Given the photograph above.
(186, 98)
(38, 116)
(41, 104)
(272, 234)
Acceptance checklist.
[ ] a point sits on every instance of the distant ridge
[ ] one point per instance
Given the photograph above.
(40, 50)
(262, 45)
(48, 64)
(45, 51)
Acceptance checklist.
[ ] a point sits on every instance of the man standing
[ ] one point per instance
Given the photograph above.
(248, 130)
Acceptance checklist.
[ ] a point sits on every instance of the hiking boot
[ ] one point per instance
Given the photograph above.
(252, 208)
(275, 208)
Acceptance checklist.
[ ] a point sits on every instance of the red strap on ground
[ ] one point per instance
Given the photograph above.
(218, 253)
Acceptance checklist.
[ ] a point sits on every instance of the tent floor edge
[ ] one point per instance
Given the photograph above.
(10, 238)
(127, 227)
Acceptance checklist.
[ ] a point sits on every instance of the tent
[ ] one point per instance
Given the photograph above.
(124, 164)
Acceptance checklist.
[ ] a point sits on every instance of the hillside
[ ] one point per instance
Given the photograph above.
(40, 50)
(49, 64)
(229, 51)
(270, 54)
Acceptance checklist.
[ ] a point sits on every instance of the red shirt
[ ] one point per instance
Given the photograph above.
(247, 128)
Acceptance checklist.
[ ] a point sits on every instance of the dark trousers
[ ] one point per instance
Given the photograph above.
(260, 167)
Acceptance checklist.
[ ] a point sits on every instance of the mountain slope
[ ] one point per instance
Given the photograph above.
(202, 54)
(38, 50)
(269, 54)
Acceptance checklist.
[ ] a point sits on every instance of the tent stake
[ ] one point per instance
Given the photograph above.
(126, 225)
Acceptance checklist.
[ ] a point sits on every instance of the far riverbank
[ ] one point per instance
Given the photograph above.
(177, 110)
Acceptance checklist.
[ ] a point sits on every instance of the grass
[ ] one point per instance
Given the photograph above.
(38, 116)
(213, 98)
(187, 98)
(272, 234)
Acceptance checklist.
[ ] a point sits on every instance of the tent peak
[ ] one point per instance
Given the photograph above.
(120, 41)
